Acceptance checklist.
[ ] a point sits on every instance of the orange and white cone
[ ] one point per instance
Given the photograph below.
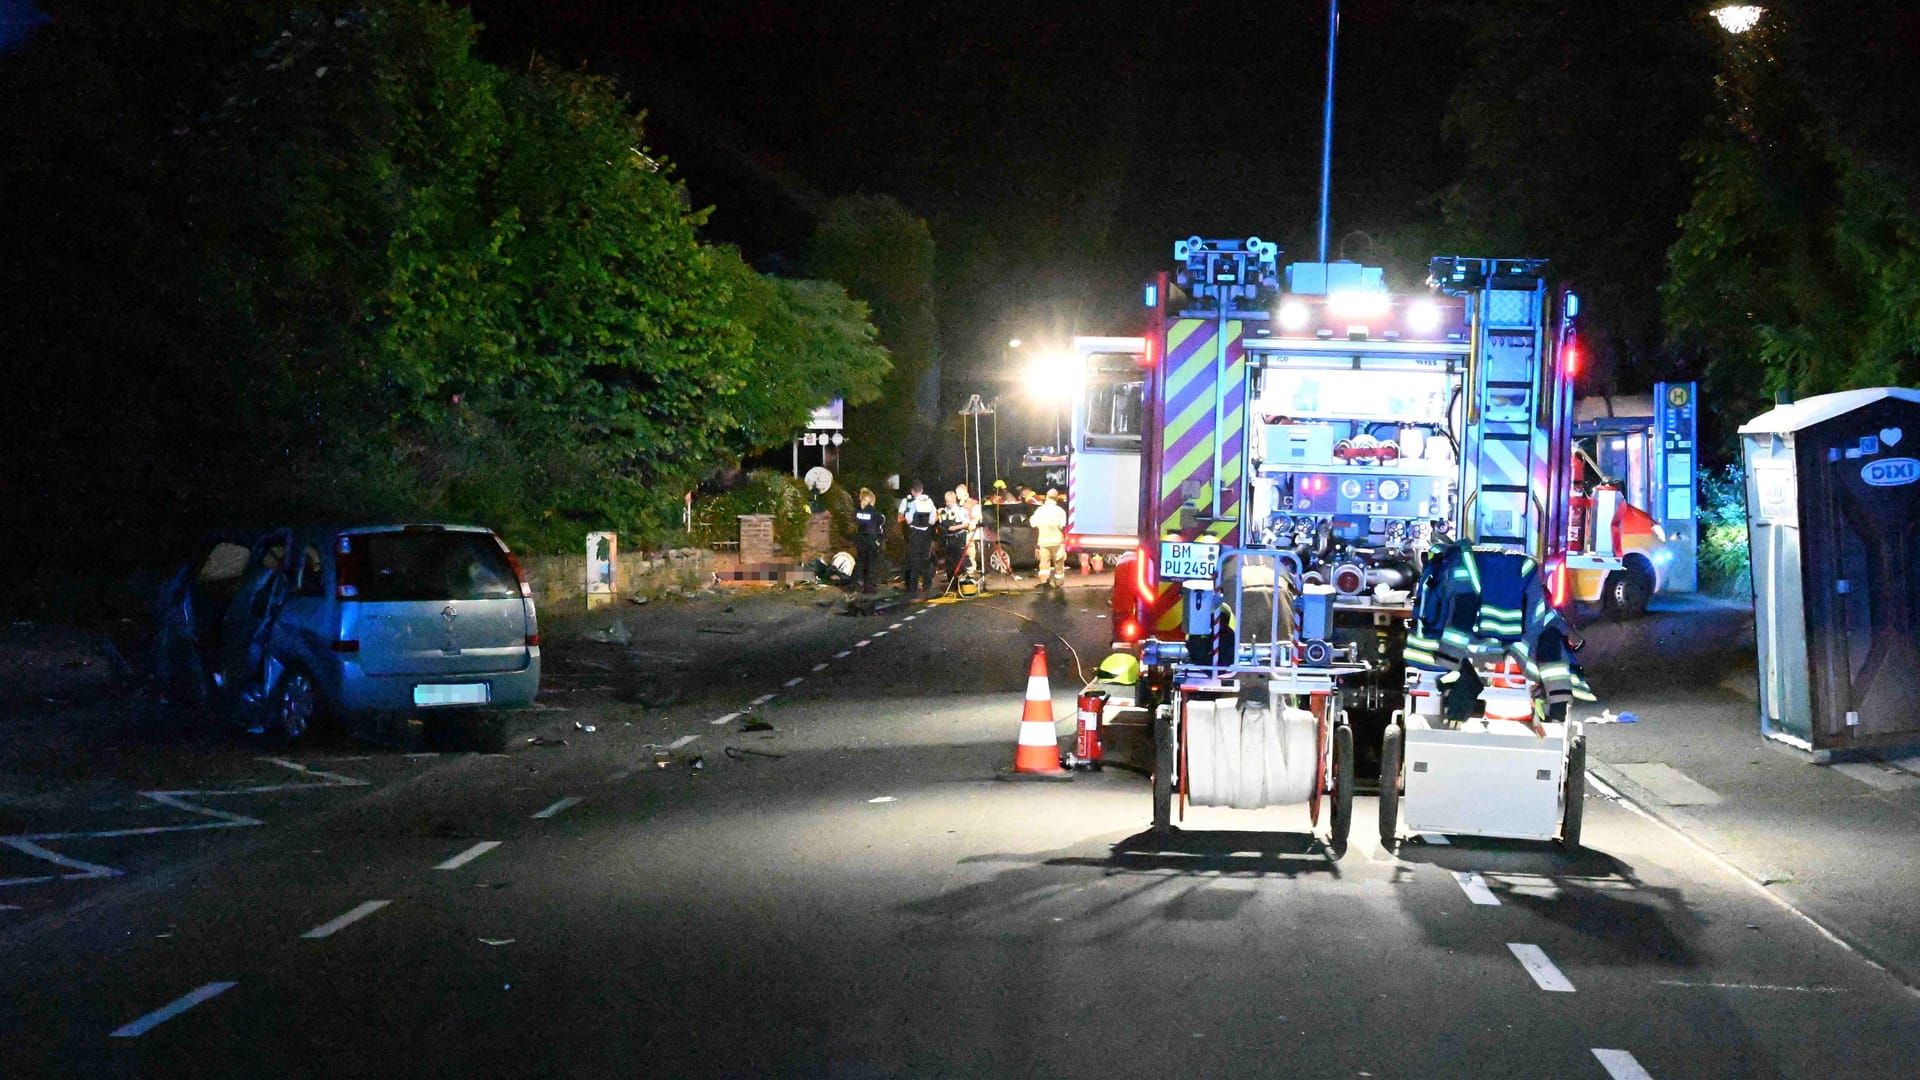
(1039, 749)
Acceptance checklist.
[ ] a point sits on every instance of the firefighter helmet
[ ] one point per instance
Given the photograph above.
(1120, 668)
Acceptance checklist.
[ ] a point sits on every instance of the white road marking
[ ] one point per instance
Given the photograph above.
(727, 719)
(1476, 888)
(880, 633)
(1435, 838)
(427, 754)
(763, 699)
(894, 626)
(468, 855)
(795, 681)
(819, 667)
(863, 644)
(843, 654)
(328, 928)
(910, 618)
(881, 799)
(562, 804)
(681, 741)
(1753, 986)
(1545, 975)
(28, 843)
(174, 1008)
(1621, 1065)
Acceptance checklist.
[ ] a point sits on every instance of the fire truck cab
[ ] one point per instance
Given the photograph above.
(1632, 531)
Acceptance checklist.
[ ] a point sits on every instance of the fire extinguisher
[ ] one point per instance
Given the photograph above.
(1579, 505)
(1086, 748)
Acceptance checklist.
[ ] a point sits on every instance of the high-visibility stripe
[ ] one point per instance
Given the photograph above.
(1036, 733)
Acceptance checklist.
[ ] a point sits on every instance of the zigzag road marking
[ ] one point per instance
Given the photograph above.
(79, 869)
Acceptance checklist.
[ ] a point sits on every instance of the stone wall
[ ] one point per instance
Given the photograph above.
(561, 580)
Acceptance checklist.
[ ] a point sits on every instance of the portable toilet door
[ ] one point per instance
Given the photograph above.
(1833, 496)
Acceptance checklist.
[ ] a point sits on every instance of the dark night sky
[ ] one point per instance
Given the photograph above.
(1058, 150)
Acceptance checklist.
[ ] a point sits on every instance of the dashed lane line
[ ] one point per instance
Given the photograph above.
(1476, 889)
(164, 1013)
(1621, 1065)
(683, 741)
(819, 667)
(895, 626)
(795, 681)
(558, 805)
(341, 922)
(1545, 975)
(863, 644)
(880, 633)
(727, 719)
(763, 699)
(468, 855)
(843, 654)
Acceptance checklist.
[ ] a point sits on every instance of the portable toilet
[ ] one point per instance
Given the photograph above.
(1833, 529)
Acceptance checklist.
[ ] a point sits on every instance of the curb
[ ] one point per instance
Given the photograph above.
(1713, 843)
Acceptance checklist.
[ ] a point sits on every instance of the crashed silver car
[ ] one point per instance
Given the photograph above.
(287, 627)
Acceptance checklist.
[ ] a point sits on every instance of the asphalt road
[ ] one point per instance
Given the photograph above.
(857, 892)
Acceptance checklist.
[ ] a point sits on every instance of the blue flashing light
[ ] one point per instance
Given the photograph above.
(1150, 297)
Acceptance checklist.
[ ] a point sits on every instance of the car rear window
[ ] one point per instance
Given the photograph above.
(435, 566)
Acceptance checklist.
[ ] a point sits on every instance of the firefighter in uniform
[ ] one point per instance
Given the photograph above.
(916, 517)
(1049, 533)
(869, 532)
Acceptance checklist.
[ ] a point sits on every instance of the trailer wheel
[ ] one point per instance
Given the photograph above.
(1163, 764)
(1342, 822)
(1576, 795)
(1628, 590)
(1390, 786)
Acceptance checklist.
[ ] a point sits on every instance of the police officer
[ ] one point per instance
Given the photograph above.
(916, 517)
(869, 532)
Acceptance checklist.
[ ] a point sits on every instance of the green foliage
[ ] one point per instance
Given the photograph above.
(358, 272)
(1722, 558)
(717, 516)
(1797, 260)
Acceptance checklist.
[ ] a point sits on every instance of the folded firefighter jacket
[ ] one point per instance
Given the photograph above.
(1477, 602)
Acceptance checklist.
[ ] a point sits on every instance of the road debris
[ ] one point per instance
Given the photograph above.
(588, 728)
(616, 634)
(756, 725)
(741, 753)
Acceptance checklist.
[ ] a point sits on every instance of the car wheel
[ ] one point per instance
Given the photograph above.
(1342, 822)
(1390, 786)
(1628, 590)
(999, 561)
(296, 705)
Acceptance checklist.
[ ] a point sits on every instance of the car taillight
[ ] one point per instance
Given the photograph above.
(533, 641)
(346, 645)
(526, 587)
(349, 566)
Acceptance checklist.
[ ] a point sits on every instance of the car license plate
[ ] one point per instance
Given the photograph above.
(473, 693)
(1182, 560)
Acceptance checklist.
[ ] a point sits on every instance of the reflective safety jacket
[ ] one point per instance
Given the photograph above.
(1482, 602)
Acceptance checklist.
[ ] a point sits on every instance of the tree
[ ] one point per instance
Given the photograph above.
(883, 255)
(1798, 264)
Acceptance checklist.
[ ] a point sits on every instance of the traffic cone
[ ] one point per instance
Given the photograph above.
(1039, 748)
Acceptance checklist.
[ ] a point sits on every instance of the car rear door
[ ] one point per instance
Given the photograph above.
(432, 601)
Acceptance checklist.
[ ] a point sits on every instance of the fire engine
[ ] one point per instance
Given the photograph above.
(1307, 438)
